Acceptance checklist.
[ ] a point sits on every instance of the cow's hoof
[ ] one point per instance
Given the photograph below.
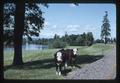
(59, 73)
(66, 65)
(56, 73)
(73, 67)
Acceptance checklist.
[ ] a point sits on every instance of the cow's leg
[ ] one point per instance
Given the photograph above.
(74, 60)
(63, 64)
(57, 67)
(66, 64)
(73, 63)
(70, 61)
(60, 68)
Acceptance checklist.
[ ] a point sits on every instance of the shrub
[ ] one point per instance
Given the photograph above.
(58, 44)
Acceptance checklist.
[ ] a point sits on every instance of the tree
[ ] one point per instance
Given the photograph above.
(99, 41)
(58, 42)
(30, 14)
(84, 39)
(66, 38)
(105, 28)
(79, 40)
(18, 33)
(111, 40)
(56, 36)
(89, 38)
(9, 13)
(114, 40)
(72, 39)
(33, 17)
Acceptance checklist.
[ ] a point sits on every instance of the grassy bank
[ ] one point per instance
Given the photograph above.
(39, 63)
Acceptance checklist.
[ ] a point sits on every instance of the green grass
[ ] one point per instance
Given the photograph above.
(39, 63)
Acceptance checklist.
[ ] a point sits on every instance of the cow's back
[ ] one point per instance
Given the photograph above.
(69, 54)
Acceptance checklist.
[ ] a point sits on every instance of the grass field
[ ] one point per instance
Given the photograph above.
(39, 64)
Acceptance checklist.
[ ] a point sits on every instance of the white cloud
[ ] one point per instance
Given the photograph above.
(54, 26)
(46, 34)
(70, 29)
(90, 27)
(72, 26)
(72, 5)
(68, 26)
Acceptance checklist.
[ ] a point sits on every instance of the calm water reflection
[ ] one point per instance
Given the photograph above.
(29, 47)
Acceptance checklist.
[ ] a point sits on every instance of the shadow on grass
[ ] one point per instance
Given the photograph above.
(84, 59)
(49, 63)
(38, 64)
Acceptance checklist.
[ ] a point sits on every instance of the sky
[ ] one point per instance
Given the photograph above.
(61, 18)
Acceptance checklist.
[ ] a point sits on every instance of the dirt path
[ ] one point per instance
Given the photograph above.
(104, 68)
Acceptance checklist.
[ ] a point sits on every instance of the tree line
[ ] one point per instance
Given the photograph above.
(85, 39)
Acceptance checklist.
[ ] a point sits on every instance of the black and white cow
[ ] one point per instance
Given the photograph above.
(63, 58)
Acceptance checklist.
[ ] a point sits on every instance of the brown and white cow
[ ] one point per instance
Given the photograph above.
(63, 58)
(70, 57)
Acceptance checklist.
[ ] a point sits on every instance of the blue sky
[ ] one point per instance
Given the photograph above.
(61, 18)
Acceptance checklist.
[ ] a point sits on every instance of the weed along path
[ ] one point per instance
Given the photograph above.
(104, 68)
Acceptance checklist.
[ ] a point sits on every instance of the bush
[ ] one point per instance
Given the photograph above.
(99, 41)
(59, 44)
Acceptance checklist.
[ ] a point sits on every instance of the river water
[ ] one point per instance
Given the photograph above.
(29, 47)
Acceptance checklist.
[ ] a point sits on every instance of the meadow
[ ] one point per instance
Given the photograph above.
(39, 64)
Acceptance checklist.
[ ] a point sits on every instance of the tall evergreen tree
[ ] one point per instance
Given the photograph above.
(105, 28)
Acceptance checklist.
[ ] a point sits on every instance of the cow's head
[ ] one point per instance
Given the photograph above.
(59, 56)
(75, 51)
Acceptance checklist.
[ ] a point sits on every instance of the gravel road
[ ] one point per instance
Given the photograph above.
(102, 69)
